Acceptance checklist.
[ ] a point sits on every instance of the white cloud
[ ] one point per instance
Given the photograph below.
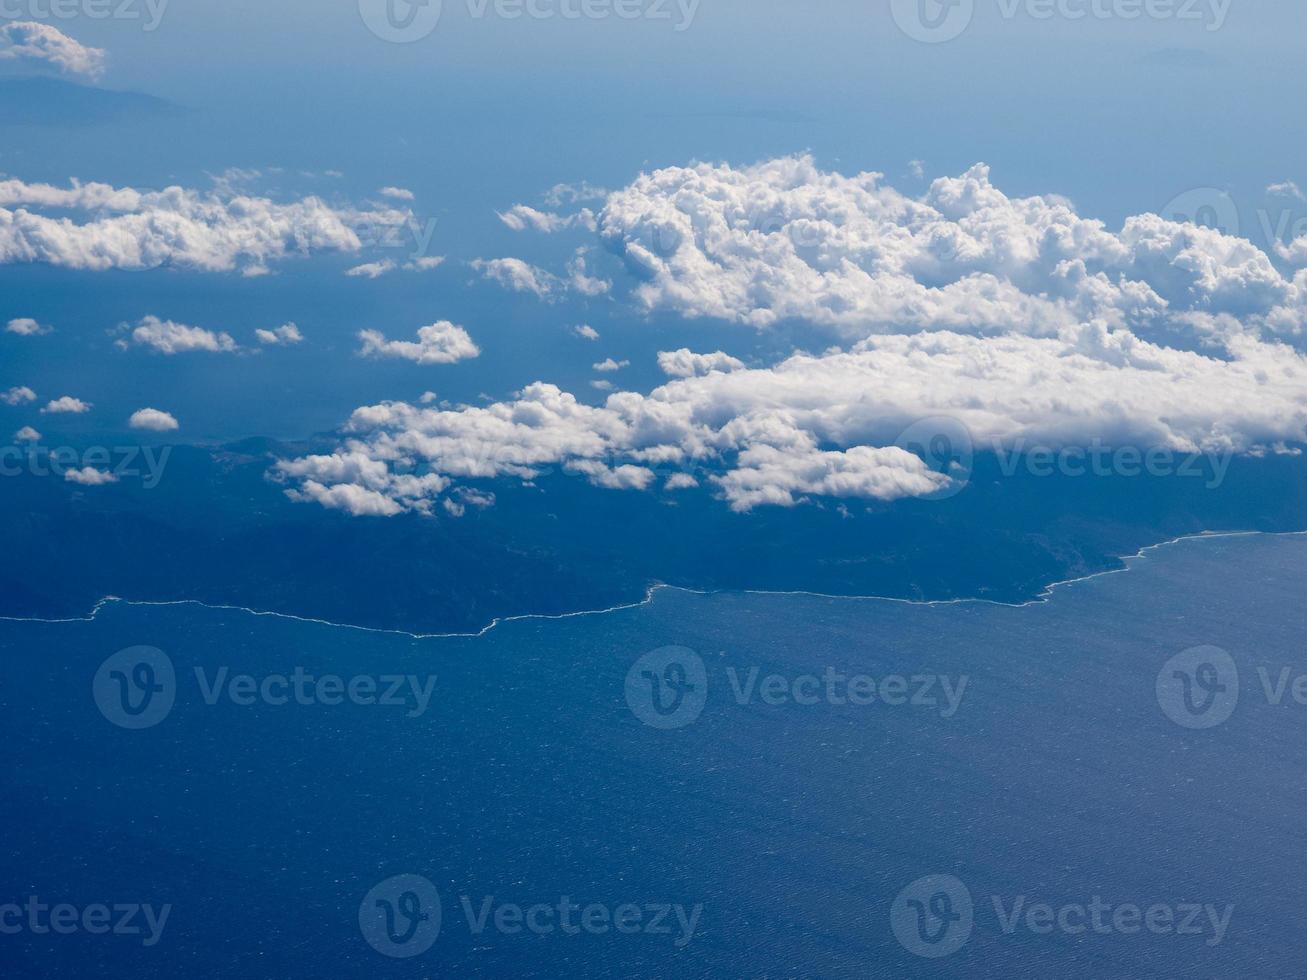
(27, 434)
(608, 364)
(18, 395)
(440, 343)
(520, 217)
(375, 270)
(371, 270)
(397, 193)
(168, 337)
(218, 231)
(27, 327)
(785, 240)
(579, 279)
(601, 384)
(684, 363)
(519, 276)
(30, 44)
(561, 194)
(586, 331)
(67, 405)
(1286, 189)
(153, 420)
(287, 333)
(827, 424)
(89, 476)
(680, 481)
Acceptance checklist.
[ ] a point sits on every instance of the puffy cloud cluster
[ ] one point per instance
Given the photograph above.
(684, 363)
(286, 334)
(18, 395)
(1017, 318)
(786, 240)
(439, 343)
(168, 337)
(216, 231)
(153, 420)
(29, 44)
(766, 435)
(27, 327)
(67, 405)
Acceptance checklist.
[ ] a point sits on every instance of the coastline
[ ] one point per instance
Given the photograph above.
(1044, 595)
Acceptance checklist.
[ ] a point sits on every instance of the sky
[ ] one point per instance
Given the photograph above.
(1103, 109)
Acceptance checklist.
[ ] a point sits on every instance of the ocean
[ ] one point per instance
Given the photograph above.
(1107, 783)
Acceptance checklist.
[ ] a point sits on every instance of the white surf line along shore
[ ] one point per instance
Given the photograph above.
(1044, 596)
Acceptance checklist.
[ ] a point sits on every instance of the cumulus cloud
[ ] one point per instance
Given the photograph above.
(586, 331)
(684, 363)
(608, 364)
(89, 476)
(785, 240)
(67, 405)
(33, 45)
(440, 343)
(167, 337)
(397, 193)
(375, 270)
(18, 395)
(521, 217)
(27, 434)
(27, 327)
(371, 270)
(518, 276)
(828, 424)
(153, 420)
(1016, 318)
(561, 194)
(217, 231)
(287, 333)
(1287, 189)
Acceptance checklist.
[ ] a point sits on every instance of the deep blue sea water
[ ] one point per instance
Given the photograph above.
(1060, 777)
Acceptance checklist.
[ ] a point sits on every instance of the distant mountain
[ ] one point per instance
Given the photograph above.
(57, 102)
